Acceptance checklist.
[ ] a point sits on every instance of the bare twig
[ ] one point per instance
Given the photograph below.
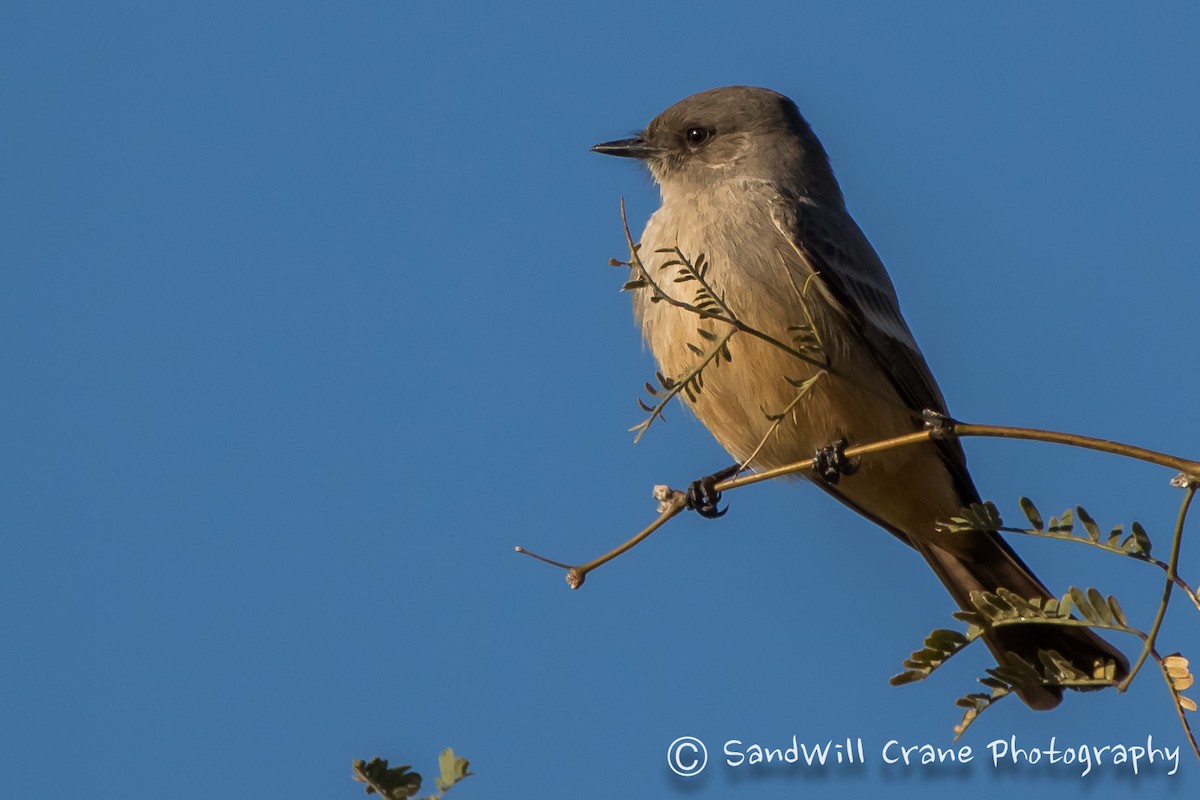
(1168, 585)
(671, 503)
(950, 428)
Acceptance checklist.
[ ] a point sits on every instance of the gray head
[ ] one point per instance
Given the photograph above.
(732, 133)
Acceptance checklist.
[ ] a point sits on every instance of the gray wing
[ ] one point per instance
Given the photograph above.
(854, 282)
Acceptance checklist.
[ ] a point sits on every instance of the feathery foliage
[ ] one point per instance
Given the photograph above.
(400, 783)
(1077, 607)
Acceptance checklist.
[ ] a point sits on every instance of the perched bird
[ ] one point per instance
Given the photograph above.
(748, 195)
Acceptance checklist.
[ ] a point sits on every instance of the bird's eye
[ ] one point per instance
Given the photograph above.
(697, 136)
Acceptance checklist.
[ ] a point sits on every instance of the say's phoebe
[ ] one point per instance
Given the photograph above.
(746, 184)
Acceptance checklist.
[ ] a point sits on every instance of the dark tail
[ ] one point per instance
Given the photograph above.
(985, 562)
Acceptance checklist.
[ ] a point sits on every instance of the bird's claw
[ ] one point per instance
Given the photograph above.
(831, 464)
(702, 496)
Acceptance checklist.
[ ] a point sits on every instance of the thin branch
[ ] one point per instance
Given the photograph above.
(963, 430)
(1168, 585)
(671, 503)
(802, 466)
(1187, 728)
(1191, 468)
(802, 392)
(1070, 622)
(360, 775)
(1101, 545)
(681, 384)
(948, 428)
(729, 318)
(803, 387)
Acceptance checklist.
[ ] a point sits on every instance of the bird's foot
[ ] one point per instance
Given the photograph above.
(938, 424)
(702, 498)
(831, 464)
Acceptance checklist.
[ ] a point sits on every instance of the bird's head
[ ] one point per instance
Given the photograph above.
(734, 133)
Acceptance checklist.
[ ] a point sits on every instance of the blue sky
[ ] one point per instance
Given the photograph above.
(306, 322)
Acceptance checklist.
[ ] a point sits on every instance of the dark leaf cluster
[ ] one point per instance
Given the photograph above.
(400, 783)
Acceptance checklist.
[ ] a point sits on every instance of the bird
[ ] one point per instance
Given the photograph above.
(750, 203)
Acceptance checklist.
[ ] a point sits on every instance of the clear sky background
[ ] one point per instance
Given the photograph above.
(305, 322)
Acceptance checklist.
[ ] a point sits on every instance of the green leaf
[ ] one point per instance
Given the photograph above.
(1004, 604)
(940, 645)
(1058, 670)
(989, 514)
(394, 783)
(1117, 612)
(1015, 670)
(1031, 513)
(976, 703)
(1064, 525)
(976, 517)
(987, 605)
(944, 639)
(1114, 536)
(1089, 524)
(971, 618)
(1021, 606)
(1080, 601)
(454, 769)
(1140, 541)
(1100, 604)
(909, 676)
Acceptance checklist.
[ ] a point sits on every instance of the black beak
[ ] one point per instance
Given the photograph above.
(626, 148)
